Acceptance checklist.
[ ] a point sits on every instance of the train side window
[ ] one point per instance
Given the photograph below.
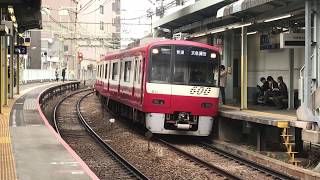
(127, 71)
(106, 71)
(101, 75)
(135, 69)
(114, 71)
(97, 73)
(139, 71)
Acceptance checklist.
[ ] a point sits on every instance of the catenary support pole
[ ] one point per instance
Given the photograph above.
(291, 79)
(11, 66)
(244, 69)
(307, 60)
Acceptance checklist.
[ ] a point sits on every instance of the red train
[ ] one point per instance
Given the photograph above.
(170, 86)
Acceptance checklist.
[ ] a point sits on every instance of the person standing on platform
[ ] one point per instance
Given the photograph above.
(223, 81)
(56, 74)
(63, 74)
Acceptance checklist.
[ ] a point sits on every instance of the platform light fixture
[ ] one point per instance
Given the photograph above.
(10, 10)
(278, 18)
(250, 33)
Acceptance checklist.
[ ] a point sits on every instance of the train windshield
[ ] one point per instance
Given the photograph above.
(184, 65)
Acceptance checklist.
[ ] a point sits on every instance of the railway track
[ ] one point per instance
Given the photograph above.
(223, 156)
(76, 131)
(202, 163)
(244, 162)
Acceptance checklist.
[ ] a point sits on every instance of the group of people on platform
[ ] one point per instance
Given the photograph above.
(63, 74)
(269, 91)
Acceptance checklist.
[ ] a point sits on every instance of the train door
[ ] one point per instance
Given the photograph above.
(105, 77)
(137, 88)
(126, 82)
(114, 79)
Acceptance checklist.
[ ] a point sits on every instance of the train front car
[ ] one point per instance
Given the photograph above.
(182, 88)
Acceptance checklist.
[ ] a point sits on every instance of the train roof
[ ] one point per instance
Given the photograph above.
(143, 48)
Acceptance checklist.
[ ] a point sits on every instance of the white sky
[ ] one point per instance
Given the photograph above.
(137, 8)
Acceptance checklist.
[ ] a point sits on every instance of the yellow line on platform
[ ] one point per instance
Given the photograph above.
(7, 163)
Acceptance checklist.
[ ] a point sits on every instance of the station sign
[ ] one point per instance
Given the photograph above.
(292, 40)
(20, 50)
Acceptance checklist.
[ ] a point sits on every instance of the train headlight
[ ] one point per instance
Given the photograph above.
(155, 51)
(206, 105)
(213, 55)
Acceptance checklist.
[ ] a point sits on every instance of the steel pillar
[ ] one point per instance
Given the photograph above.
(317, 39)
(11, 67)
(307, 60)
(244, 69)
(291, 80)
(5, 100)
(228, 62)
(18, 74)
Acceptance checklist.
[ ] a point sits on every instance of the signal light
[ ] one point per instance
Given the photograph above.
(80, 56)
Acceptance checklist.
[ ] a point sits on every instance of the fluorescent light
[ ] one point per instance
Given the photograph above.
(10, 10)
(199, 35)
(13, 18)
(250, 33)
(241, 25)
(278, 18)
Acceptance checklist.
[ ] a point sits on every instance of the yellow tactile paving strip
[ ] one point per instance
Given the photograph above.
(267, 114)
(7, 163)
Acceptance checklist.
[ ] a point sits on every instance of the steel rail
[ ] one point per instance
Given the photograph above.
(212, 167)
(55, 110)
(251, 164)
(108, 148)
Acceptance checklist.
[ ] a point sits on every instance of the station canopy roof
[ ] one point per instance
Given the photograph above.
(218, 13)
(195, 12)
(27, 12)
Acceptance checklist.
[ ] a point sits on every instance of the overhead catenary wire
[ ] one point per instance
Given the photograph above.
(106, 1)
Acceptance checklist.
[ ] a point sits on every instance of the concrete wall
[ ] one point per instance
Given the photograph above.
(263, 63)
(34, 51)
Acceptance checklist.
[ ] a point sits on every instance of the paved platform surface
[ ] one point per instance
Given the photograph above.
(28, 150)
(265, 116)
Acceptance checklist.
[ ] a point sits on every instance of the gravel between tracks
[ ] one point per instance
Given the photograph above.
(231, 166)
(158, 163)
(76, 136)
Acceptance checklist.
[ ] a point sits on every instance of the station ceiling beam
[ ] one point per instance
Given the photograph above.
(27, 12)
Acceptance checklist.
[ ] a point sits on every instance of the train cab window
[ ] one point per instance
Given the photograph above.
(195, 66)
(106, 71)
(115, 71)
(160, 64)
(127, 71)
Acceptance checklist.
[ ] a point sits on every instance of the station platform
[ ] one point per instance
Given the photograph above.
(264, 115)
(29, 149)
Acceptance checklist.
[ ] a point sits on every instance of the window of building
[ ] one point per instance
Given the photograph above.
(101, 9)
(66, 48)
(101, 25)
(114, 71)
(106, 71)
(127, 71)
